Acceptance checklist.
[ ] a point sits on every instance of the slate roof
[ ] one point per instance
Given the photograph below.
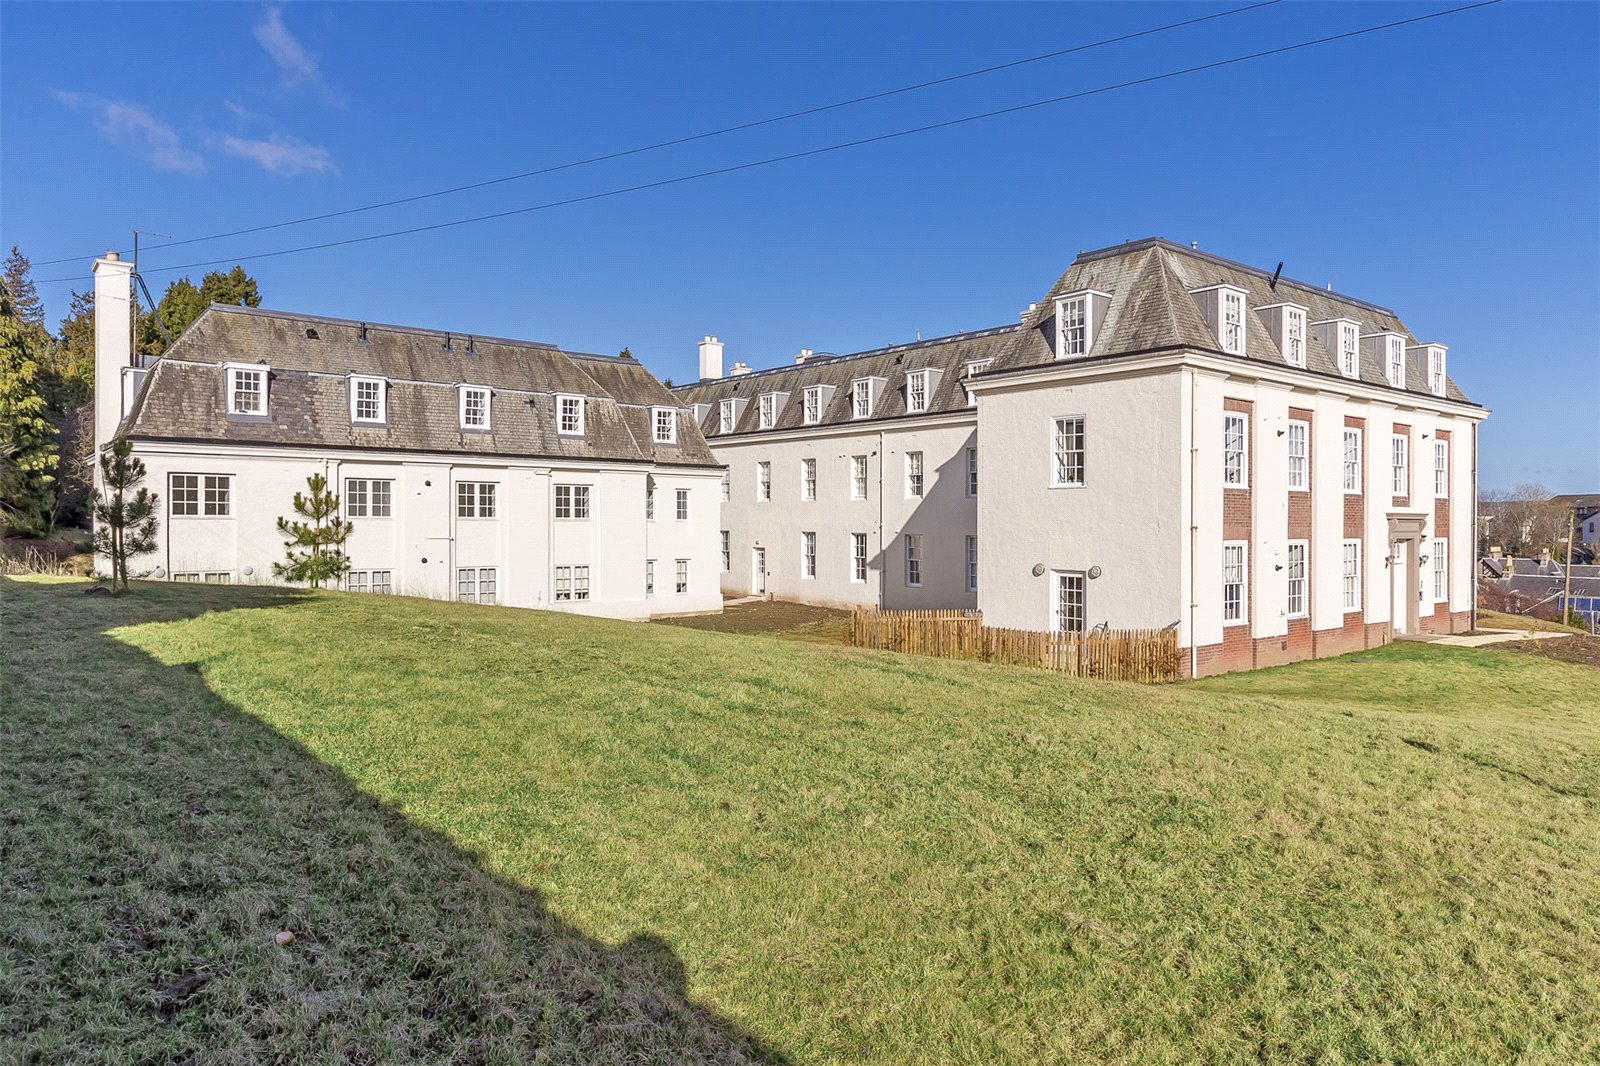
(312, 357)
(950, 355)
(1151, 308)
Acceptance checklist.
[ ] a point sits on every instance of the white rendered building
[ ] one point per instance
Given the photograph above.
(1168, 438)
(472, 468)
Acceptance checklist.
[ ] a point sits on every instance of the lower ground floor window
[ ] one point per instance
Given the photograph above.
(379, 581)
(186, 576)
(681, 587)
(913, 559)
(727, 555)
(649, 577)
(972, 558)
(476, 584)
(572, 582)
(1068, 608)
(858, 557)
(1350, 575)
(1441, 570)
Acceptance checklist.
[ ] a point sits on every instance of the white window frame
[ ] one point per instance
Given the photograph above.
(680, 577)
(649, 577)
(1351, 458)
(1232, 321)
(858, 558)
(1440, 562)
(972, 473)
(570, 414)
(1395, 366)
(363, 502)
(1436, 375)
(463, 404)
(470, 582)
(726, 416)
(213, 496)
(919, 387)
(1061, 452)
(571, 583)
(808, 479)
(808, 555)
(727, 485)
(1290, 581)
(973, 369)
(763, 480)
(972, 563)
(1240, 550)
(1294, 336)
(1235, 454)
(1073, 315)
(484, 497)
(235, 374)
(916, 476)
(664, 425)
(649, 498)
(1061, 584)
(1349, 349)
(913, 553)
(1441, 469)
(573, 503)
(357, 381)
(1400, 465)
(861, 398)
(727, 552)
(680, 505)
(811, 409)
(1298, 473)
(1350, 575)
(768, 412)
(858, 477)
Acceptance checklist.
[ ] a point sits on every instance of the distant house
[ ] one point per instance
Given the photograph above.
(472, 468)
(1539, 587)
(1587, 507)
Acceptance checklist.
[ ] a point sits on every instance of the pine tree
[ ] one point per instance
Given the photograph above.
(125, 525)
(71, 359)
(27, 439)
(25, 302)
(315, 546)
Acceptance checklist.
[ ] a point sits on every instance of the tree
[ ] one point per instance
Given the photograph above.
(626, 353)
(125, 526)
(182, 303)
(71, 360)
(315, 546)
(1524, 519)
(25, 302)
(27, 439)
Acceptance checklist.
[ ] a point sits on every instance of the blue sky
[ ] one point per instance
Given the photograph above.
(1450, 170)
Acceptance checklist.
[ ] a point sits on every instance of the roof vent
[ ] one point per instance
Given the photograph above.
(362, 336)
(446, 346)
(311, 334)
(1195, 245)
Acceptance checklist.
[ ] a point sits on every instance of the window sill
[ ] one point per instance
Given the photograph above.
(1071, 485)
(1235, 488)
(1236, 623)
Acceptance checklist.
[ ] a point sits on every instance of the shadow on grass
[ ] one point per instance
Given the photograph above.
(156, 839)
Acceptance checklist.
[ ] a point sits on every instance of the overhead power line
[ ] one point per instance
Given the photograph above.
(693, 137)
(826, 149)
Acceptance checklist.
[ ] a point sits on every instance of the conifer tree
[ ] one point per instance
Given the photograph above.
(125, 525)
(314, 543)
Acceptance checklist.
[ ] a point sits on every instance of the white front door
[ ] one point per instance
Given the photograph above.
(1401, 579)
(758, 568)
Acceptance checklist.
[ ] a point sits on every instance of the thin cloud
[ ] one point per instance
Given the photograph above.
(285, 156)
(239, 111)
(299, 68)
(131, 127)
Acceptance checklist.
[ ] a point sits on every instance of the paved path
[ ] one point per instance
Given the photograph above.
(1492, 636)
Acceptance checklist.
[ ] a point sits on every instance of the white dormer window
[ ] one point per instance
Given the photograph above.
(368, 400)
(1233, 322)
(917, 391)
(474, 407)
(664, 422)
(769, 410)
(1074, 318)
(813, 405)
(861, 398)
(974, 368)
(569, 415)
(726, 415)
(1395, 362)
(1294, 336)
(1349, 340)
(1436, 378)
(247, 390)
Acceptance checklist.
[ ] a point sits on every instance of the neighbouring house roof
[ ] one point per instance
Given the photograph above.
(1585, 504)
(1535, 581)
(949, 355)
(1150, 281)
(311, 359)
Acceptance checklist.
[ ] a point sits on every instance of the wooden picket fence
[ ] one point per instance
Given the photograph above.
(1145, 655)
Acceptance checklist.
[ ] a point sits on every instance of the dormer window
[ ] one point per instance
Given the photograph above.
(664, 421)
(368, 400)
(726, 416)
(1349, 350)
(1078, 316)
(569, 415)
(917, 390)
(1223, 306)
(1294, 336)
(474, 407)
(247, 390)
(972, 369)
(1436, 378)
(813, 405)
(1395, 362)
(769, 410)
(861, 398)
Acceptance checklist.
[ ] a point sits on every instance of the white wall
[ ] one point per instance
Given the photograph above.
(424, 542)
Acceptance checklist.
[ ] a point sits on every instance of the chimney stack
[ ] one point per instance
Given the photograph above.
(113, 342)
(805, 354)
(1544, 558)
(710, 359)
(738, 368)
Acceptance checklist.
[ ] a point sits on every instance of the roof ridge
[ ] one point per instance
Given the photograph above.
(387, 327)
(988, 331)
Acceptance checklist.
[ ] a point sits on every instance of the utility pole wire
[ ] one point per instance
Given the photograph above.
(691, 138)
(826, 149)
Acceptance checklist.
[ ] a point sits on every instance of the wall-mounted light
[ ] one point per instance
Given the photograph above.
(1278, 567)
(1094, 572)
(1422, 558)
(1038, 570)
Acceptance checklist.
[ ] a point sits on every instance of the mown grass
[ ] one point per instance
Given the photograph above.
(500, 833)
(1501, 620)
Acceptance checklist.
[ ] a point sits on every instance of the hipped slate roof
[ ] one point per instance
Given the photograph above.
(1151, 308)
(309, 393)
(950, 355)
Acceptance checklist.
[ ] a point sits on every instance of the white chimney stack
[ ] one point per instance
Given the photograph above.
(710, 359)
(113, 342)
(739, 367)
(805, 354)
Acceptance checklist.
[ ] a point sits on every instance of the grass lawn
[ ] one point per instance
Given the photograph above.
(500, 835)
(1501, 620)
